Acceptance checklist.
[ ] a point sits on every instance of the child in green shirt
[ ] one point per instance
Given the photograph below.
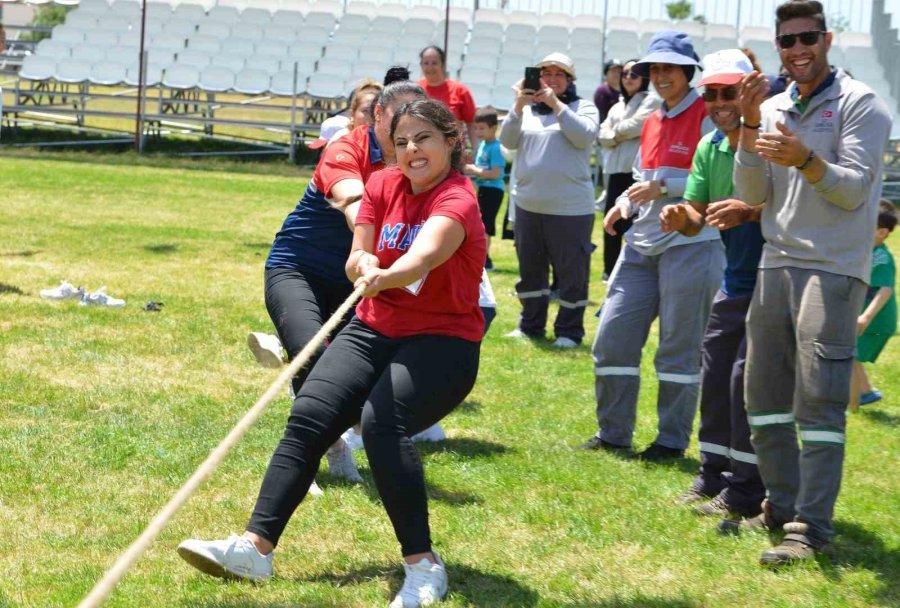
(878, 321)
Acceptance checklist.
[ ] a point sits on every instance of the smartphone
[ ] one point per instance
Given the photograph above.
(532, 79)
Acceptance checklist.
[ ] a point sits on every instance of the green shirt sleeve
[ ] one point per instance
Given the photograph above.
(883, 270)
(697, 189)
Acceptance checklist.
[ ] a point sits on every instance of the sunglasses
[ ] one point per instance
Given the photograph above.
(630, 74)
(786, 41)
(726, 94)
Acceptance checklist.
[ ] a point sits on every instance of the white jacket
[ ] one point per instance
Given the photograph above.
(625, 121)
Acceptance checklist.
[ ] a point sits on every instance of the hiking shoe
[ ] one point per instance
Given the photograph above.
(425, 584)
(266, 348)
(101, 298)
(353, 439)
(865, 398)
(341, 463)
(595, 443)
(796, 547)
(563, 342)
(65, 291)
(764, 522)
(660, 453)
(234, 558)
(432, 433)
(715, 507)
(697, 492)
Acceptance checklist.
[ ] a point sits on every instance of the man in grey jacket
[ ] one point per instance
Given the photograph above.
(813, 155)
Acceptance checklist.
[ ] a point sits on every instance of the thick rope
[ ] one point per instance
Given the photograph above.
(105, 586)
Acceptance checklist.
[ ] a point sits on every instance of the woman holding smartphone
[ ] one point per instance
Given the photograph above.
(553, 130)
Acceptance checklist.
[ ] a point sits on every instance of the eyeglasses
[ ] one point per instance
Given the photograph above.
(630, 74)
(546, 74)
(726, 94)
(786, 41)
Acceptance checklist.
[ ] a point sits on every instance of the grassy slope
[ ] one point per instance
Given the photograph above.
(106, 412)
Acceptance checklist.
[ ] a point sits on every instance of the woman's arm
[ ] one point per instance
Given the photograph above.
(438, 239)
(347, 194)
(361, 256)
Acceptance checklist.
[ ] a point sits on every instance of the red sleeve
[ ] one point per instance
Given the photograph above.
(341, 160)
(467, 104)
(366, 213)
(458, 203)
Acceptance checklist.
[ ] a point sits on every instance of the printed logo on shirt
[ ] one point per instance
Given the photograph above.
(679, 148)
(397, 236)
(827, 114)
(340, 157)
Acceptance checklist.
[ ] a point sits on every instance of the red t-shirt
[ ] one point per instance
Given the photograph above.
(447, 301)
(349, 157)
(455, 96)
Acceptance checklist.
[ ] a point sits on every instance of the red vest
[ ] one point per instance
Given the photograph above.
(670, 142)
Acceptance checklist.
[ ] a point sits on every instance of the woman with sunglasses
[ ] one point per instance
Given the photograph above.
(620, 136)
(668, 275)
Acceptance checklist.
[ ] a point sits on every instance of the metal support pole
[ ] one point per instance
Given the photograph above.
(446, 29)
(293, 143)
(142, 66)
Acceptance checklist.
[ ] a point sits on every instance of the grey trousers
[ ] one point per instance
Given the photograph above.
(677, 285)
(801, 338)
(565, 242)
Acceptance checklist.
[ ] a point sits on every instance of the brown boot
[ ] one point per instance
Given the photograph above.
(764, 522)
(796, 547)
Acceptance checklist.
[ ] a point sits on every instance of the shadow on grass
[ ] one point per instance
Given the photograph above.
(477, 588)
(686, 464)
(6, 288)
(20, 254)
(641, 601)
(467, 447)
(256, 245)
(469, 407)
(451, 497)
(161, 248)
(854, 546)
(881, 417)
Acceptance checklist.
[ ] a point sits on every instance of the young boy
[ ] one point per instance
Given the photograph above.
(488, 173)
(878, 321)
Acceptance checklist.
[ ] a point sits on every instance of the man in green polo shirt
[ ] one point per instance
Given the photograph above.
(728, 483)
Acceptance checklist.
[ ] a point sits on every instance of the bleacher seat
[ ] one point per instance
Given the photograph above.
(68, 34)
(53, 49)
(198, 59)
(589, 21)
(490, 15)
(481, 94)
(168, 42)
(78, 18)
(217, 29)
(323, 21)
(326, 86)
(584, 36)
(562, 20)
(520, 31)
(502, 97)
(388, 25)
(152, 74)
(203, 42)
(287, 18)
(720, 44)
(721, 30)
(282, 83)
(126, 8)
(72, 71)
(93, 6)
(354, 23)
(189, 12)
(472, 74)
(301, 6)
(751, 33)
(37, 67)
(251, 81)
(421, 28)
(342, 53)
(336, 67)
(256, 16)
(88, 53)
(269, 64)
(523, 18)
(233, 61)
(369, 69)
(101, 38)
(514, 63)
(107, 73)
(483, 48)
(181, 77)
(422, 11)
(179, 27)
(280, 33)
(223, 14)
(239, 46)
(518, 47)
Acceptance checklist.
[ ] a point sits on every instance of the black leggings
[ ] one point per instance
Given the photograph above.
(612, 244)
(299, 304)
(396, 387)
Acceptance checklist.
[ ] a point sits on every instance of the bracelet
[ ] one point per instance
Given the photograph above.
(807, 162)
(748, 126)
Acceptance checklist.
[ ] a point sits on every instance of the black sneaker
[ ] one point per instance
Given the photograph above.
(660, 453)
(595, 443)
(489, 264)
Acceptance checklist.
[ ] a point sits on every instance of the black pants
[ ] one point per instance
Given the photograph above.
(396, 387)
(612, 244)
(489, 201)
(299, 304)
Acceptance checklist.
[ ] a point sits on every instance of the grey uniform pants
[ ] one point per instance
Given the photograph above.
(677, 285)
(801, 338)
(565, 242)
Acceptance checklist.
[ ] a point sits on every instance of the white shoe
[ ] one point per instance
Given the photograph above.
(516, 333)
(233, 558)
(432, 433)
(425, 584)
(341, 463)
(100, 298)
(65, 291)
(353, 439)
(315, 490)
(565, 343)
(266, 348)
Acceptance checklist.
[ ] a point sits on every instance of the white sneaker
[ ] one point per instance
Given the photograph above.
(315, 490)
(233, 558)
(341, 463)
(565, 343)
(516, 333)
(266, 348)
(425, 584)
(353, 439)
(432, 433)
(100, 298)
(65, 291)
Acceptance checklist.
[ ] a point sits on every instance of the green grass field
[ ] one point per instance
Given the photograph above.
(105, 413)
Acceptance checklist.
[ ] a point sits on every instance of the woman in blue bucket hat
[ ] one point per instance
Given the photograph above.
(658, 274)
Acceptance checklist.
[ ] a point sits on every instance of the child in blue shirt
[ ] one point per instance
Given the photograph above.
(488, 173)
